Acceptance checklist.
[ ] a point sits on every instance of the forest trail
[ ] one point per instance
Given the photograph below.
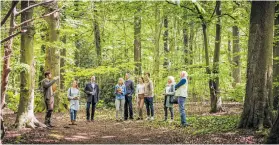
(106, 130)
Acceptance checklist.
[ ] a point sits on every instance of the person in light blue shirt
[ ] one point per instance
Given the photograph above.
(73, 96)
(120, 92)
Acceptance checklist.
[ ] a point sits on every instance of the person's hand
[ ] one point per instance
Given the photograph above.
(91, 93)
(56, 78)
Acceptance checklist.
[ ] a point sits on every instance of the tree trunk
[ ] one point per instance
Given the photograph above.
(97, 36)
(185, 46)
(229, 49)
(25, 115)
(7, 56)
(276, 62)
(166, 44)
(274, 132)
(236, 73)
(256, 112)
(137, 41)
(62, 64)
(214, 97)
(52, 60)
(191, 43)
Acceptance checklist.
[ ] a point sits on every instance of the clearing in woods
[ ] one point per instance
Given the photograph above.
(205, 128)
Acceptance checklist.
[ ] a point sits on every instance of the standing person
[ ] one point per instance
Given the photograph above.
(169, 92)
(120, 91)
(148, 97)
(181, 92)
(140, 97)
(130, 89)
(73, 96)
(93, 95)
(47, 86)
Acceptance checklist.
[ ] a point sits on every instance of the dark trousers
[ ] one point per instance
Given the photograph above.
(149, 106)
(128, 107)
(48, 114)
(88, 110)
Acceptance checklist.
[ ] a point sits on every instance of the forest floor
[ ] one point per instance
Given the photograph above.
(205, 128)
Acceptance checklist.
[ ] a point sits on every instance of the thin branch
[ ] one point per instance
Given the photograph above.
(30, 20)
(32, 6)
(14, 3)
(182, 6)
(13, 35)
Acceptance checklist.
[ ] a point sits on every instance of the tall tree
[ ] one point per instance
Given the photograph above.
(187, 58)
(236, 72)
(52, 59)
(214, 96)
(97, 36)
(157, 41)
(166, 43)
(63, 53)
(137, 41)
(276, 60)
(256, 112)
(7, 56)
(25, 115)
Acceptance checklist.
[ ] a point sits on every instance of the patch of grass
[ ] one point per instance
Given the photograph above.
(201, 124)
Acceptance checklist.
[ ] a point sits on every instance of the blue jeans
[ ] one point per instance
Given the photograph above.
(73, 114)
(149, 106)
(181, 103)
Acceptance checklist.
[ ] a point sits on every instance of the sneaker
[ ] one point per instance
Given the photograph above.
(171, 120)
(148, 118)
(152, 118)
(138, 118)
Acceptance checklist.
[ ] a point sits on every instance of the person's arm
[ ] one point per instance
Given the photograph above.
(124, 91)
(69, 94)
(133, 88)
(86, 90)
(115, 91)
(181, 82)
(48, 84)
(151, 88)
(98, 92)
(172, 92)
(137, 90)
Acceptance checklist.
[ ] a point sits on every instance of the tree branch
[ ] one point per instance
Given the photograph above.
(32, 6)
(182, 6)
(14, 3)
(13, 35)
(30, 20)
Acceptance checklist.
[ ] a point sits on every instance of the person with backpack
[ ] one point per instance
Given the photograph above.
(120, 92)
(73, 96)
(48, 90)
(169, 94)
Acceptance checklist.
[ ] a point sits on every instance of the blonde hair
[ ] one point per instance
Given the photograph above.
(171, 78)
(122, 80)
(184, 73)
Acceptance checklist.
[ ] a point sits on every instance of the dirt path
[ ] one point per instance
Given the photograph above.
(106, 130)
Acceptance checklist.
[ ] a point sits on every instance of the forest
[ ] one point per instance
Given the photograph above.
(229, 49)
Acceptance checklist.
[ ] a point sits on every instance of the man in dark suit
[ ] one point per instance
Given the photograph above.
(93, 92)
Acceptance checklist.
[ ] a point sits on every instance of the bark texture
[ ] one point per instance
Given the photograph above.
(257, 113)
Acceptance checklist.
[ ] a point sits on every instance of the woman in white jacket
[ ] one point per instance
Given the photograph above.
(73, 96)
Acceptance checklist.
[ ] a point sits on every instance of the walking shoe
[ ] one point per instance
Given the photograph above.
(148, 118)
(171, 120)
(138, 118)
(152, 118)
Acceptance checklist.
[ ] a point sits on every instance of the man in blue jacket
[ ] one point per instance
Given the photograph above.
(181, 92)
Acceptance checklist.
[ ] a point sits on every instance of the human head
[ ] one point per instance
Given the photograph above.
(183, 74)
(93, 78)
(48, 74)
(127, 76)
(147, 74)
(141, 80)
(120, 81)
(75, 84)
(170, 79)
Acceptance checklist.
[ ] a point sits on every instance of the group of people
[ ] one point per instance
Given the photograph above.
(124, 92)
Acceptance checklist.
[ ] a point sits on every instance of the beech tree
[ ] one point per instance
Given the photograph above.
(256, 112)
